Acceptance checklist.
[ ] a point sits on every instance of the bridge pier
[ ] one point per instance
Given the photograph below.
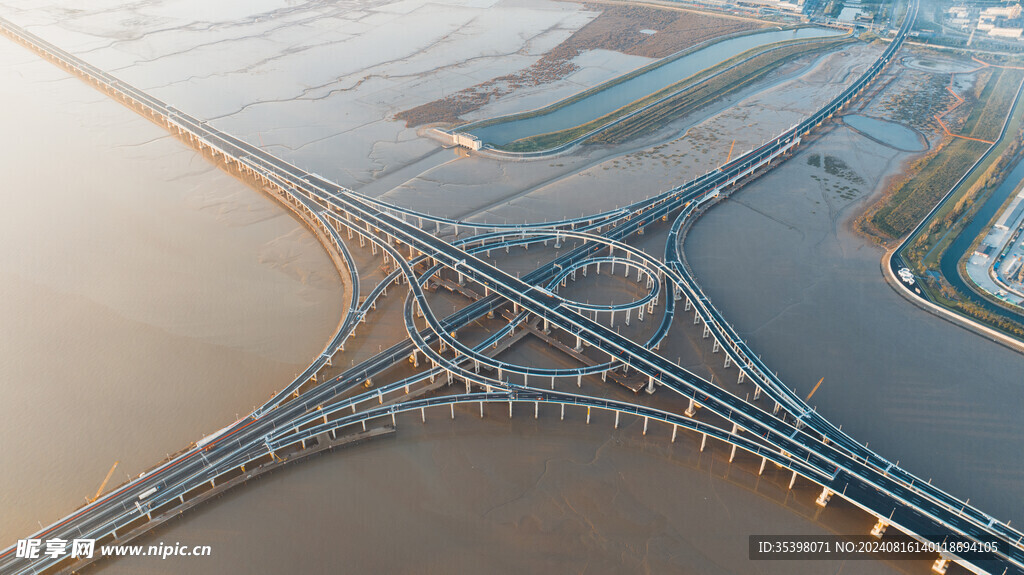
(764, 460)
(740, 378)
(617, 413)
(792, 479)
(627, 316)
(728, 361)
(732, 454)
(688, 304)
(481, 410)
(940, 566)
(536, 409)
(579, 380)
(879, 529)
(823, 499)
(703, 441)
(579, 344)
(675, 428)
(696, 318)
(714, 348)
(510, 409)
(588, 415)
(650, 384)
(707, 332)
(415, 358)
(645, 424)
(757, 392)
(563, 412)
(692, 409)
(604, 376)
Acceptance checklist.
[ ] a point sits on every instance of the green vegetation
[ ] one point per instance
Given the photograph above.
(925, 251)
(934, 174)
(681, 97)
(986, 121)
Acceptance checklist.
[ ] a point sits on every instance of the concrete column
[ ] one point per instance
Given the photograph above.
(645, 424)
(792, 480)
(757, 392)
(675, 428)
(692, 410)
(579, 380)
(879, 529)
(650, 384)
(563, 412)
(740, 378)
(536, 409)
(579, 344)
(588, 415)
(728, 361)
(510, 409)
(764, 460)
(627, 315)
(703, 441)
(481, 410)
(826, 495)
(617, 413)
(423, 414)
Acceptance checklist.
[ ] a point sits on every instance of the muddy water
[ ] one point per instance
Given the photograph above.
(803, 290)
(145, 296)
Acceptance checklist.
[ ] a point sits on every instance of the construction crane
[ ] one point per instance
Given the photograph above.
(104, 484)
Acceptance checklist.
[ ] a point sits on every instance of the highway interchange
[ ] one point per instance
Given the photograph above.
(781, 428)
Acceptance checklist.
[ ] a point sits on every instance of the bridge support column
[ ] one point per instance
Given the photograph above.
(675, 428)
(563, 412)
(692, 410)
(696, 318)
(879, 529)
(536, 409)
(735, 430)
(728, 361)
(764, 460)
(703, 441)
(940, 566)
(579, 344)
(676, 295)
(604, 375)
(588, 415)
(757, 392)
(650, 384)
(500, 373)
(740, 378)
(476, 366)
(823, 499)
(627, 316)
(481, 410)
(714, 348)
(707, 332)
(689, 306)
(598, 268)
(547, 325)
(579, 380)
(510, 409)
(792, 480)
(584, 270)
(617, 413)
(645, 424)
(775, 410)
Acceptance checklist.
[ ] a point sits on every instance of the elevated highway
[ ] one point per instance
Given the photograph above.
(308, 411)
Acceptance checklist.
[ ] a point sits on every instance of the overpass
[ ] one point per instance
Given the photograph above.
(309, 412)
